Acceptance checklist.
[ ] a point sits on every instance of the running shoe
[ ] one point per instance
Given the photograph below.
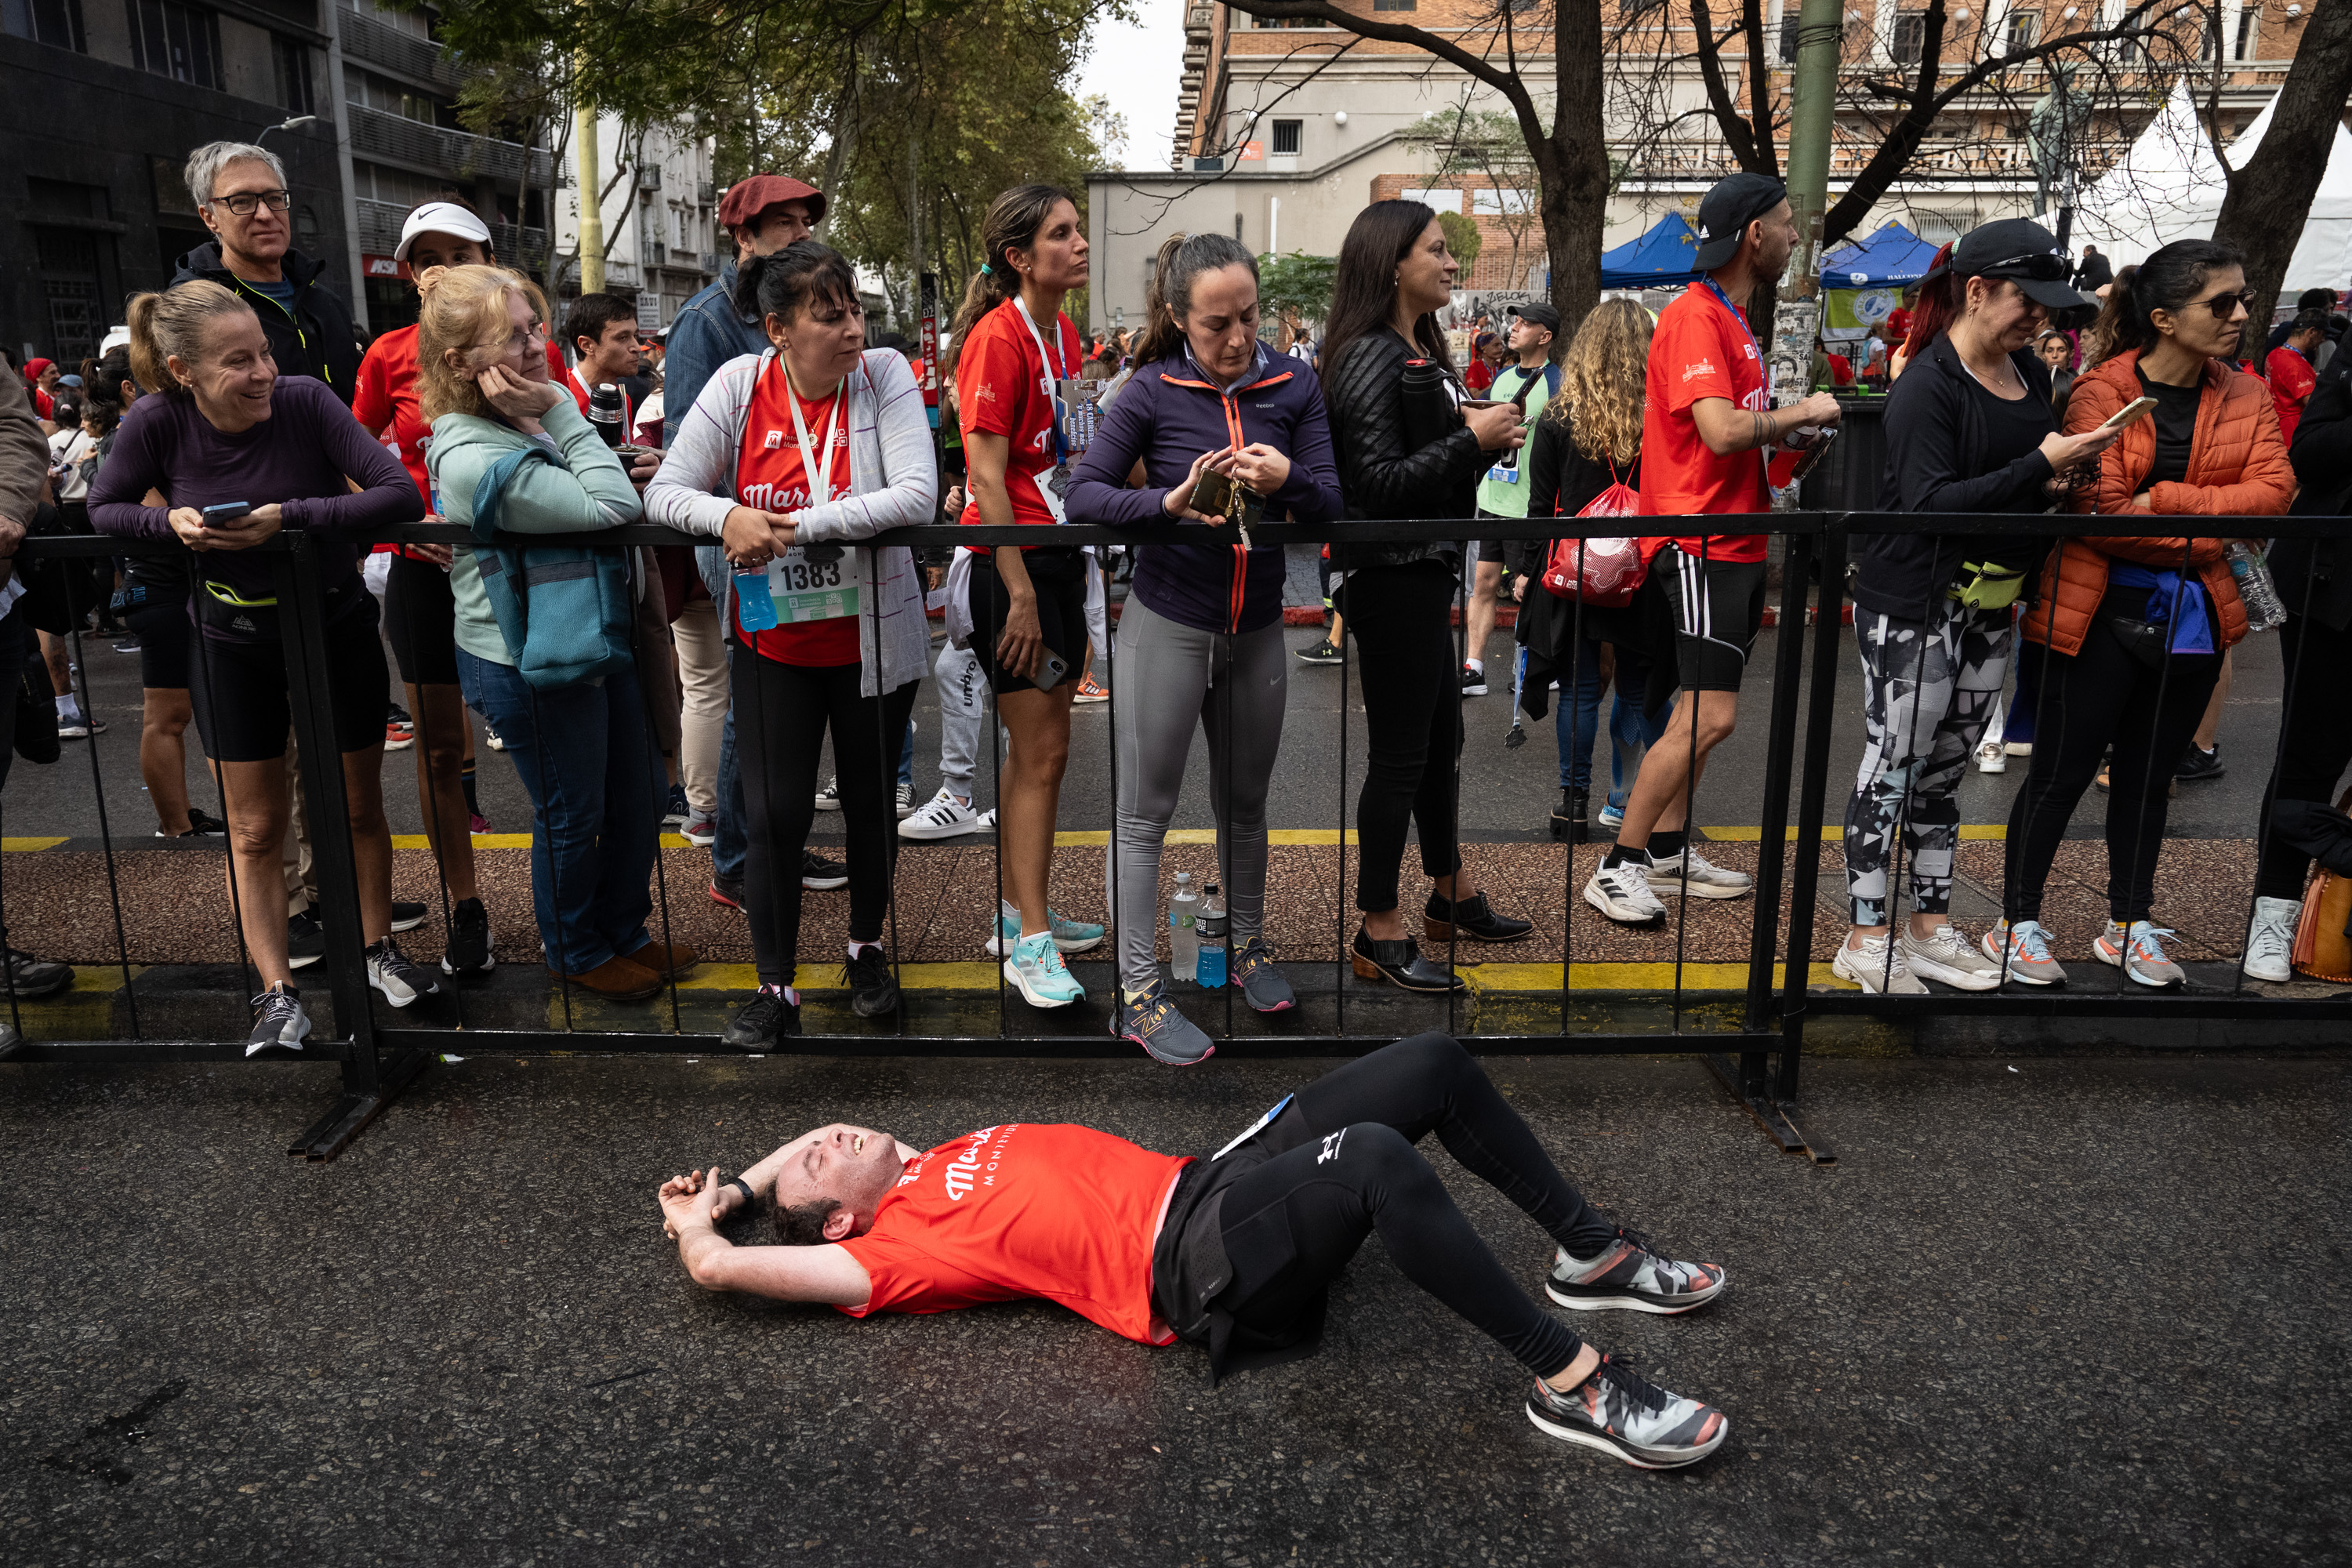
(829, 797)
(1069, 935)
(1262, 984)
(1091, 691)
(1991, 759)
(306, 940)
(399, 729)
(1035, 969)
(1631, 1274)
(80, 727)
(200, 826)
(1877, 965)
(773, 1013)
(400, 979)
(1612, 814)
(1706, 879)
(2271, 944)
(1167, 1036)
(1473, 681)
(700, 831)
(1322, 653)
(31, 978)
(942, 817)
(677, 811)
(727, 890)
(1630, 1418)
(491, 736)
(2138, 954)
(873, 989)
(476, 823)
(127, 644)
(1622, 892)
(2022, 951)
(280, 1024)
(469, 940)
(406, 917)
(2198, 766)
(1948, 958)
(903, 801)
(820, 874)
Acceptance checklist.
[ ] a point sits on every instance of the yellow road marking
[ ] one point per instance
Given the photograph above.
(29, 844)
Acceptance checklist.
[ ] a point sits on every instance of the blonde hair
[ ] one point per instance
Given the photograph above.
(460, 308)
(174, 324)
(1601, 382)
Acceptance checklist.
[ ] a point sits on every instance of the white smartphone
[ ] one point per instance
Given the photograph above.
(1051, 675)
(2137, 409)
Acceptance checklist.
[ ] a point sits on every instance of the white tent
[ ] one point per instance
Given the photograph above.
(2169, 186)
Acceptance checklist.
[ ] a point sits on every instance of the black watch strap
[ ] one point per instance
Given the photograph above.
(740, 1186)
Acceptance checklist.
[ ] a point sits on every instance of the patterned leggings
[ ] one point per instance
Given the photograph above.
(1928, 690)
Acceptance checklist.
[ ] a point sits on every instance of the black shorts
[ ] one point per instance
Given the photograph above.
(1719, 609)
(420, 620)
(238, 688)
(161, 621)
(1494, 550)
(1059, 577)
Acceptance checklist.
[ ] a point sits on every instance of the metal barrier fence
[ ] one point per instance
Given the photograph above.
(1756, 1056)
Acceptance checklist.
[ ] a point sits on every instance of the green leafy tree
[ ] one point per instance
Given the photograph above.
(1463, 239)
(1296, 289)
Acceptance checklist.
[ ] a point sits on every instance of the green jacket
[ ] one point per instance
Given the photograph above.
(595, 493)
(1501, 497)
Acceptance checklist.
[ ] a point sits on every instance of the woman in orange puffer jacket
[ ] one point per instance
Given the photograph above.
(2136, 623)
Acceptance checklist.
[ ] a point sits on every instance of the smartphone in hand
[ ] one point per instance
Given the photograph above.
(226, 512)
(2130, 413)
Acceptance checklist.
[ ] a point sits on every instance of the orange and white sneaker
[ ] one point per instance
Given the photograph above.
(1091, 691)
(2138, 952)
(1630, 1418)
(1633, 1276)
(2022, 951)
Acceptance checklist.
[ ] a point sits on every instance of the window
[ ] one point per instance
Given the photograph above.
(69, 284)
(1286, 137)
(1500, 203)
(181, 42)
(2022, 30)
(1268, 24)
(1443, 201)
(1789, 37)
(2248, 21)
(293, 56)
(1910, 44)
(1396, 4)
(378, 92)
(56, 23)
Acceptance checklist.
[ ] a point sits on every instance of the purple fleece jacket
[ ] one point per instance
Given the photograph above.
(1168, 414)
(297, 458)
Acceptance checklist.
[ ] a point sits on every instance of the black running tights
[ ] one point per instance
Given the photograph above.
(1352, 1168)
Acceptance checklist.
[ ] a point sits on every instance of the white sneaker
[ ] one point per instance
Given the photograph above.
(829, 797)
(1706, 880)
(2271, 945)
(1949, 958)
(942, 817)
(1623, 894)
(1991, 759)
(1877, 967)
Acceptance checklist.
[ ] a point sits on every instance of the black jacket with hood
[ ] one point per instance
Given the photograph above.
(317, 340)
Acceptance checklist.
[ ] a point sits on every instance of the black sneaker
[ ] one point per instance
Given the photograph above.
(678, 811)
(469, 940)
(30, 978)
(306, 940)
(406, 917)
(1620, 1414)
(728, 890)
(767, 1018)
(1322, 653)
(820, 874)
(204, 824)
(873, 989)
(400, 978)
(1473, 681)
(2197, 764)
(280, 1024)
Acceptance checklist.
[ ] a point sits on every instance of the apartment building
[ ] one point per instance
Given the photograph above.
(659, 206)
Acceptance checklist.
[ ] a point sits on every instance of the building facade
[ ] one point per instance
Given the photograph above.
(660, 212)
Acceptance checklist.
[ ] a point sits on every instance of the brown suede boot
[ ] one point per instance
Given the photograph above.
(668, 960)
(620, 980)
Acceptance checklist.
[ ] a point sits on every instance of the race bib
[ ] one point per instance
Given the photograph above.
(805, 590)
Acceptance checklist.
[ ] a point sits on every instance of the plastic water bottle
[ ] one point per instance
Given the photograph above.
(1183, 928)
(1211, 969)
(754, 605)
(2256, 588)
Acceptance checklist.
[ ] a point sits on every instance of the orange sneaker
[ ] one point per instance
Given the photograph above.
(1092, 690)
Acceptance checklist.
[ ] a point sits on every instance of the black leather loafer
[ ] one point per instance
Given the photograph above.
(1400, 963)
(1471, 918)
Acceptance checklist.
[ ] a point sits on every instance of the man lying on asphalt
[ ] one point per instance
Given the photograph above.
(1235, 1252)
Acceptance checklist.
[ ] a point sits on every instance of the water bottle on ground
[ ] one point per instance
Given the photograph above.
(2256, 588)
(1211, 969)
(1183, 929)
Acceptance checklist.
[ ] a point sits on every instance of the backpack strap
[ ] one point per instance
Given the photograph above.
(489, 492)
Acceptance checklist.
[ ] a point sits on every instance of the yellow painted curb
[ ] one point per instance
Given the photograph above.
(29, 844)
(1542, 977)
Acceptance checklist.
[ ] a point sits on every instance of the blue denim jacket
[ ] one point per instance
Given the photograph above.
(705, 335)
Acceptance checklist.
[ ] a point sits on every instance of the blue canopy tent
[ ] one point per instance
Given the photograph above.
(1658, 259)
(1862, 282)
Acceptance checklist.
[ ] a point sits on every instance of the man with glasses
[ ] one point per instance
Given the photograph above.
(240, 192)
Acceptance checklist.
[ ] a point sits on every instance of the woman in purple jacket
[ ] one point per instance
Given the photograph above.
(1201, 638)
(239, 453)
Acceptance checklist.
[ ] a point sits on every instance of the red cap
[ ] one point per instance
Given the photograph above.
(747, 199)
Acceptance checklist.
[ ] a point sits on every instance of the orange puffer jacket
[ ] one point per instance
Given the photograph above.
(2237, 466)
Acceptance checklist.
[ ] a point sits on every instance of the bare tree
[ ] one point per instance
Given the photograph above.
(2270, 195)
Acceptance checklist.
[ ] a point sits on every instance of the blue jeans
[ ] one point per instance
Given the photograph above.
(596, 789)
(1576, 716)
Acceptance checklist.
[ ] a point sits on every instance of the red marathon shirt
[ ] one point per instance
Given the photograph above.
(771, 475)
(1060, 1212)
(1001, 376)
(1701, 348)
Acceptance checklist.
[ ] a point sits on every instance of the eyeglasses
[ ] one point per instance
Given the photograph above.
(519, 342)
(244, 202)
(2225, 306)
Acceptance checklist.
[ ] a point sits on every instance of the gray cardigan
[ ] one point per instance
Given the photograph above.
(893, 483)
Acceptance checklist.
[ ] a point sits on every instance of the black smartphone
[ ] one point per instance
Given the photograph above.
(226, 512)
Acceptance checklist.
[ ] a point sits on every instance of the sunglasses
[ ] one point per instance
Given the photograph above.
(2225, 306)
(2040, 266)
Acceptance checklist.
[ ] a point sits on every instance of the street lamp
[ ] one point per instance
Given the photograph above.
(287, 125)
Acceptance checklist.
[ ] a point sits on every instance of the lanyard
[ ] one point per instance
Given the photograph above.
(1052, 360)
(820, 485)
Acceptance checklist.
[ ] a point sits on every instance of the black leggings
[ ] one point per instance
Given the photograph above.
(781, 713)
(1349, 1165)
(2316, 743)
(1412, 721)
(2088, 699)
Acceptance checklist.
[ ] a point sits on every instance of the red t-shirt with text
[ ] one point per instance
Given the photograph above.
(769, 476)
(1700, 348)
(1001, 389)
(2292, 379)
(1061, 1213)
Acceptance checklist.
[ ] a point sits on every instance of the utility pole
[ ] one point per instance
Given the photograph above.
(589, 170)
(1797, 318)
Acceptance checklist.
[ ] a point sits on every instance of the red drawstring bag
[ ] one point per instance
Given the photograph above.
(1604, 572)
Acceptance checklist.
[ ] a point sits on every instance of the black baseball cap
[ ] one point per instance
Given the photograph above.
(2023, 252)
(1727, 210)
(1541, 314)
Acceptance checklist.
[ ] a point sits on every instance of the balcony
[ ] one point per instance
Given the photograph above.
(365, 38)
(431, 149)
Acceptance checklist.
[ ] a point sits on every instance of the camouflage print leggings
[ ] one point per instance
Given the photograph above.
(1928, 690)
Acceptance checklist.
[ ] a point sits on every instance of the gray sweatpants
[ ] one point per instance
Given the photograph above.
(963, 703)
(1170, 680)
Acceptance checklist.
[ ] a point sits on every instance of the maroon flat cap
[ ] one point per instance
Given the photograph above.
(747, 199)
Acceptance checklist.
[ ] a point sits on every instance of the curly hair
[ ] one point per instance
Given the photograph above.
(1603, 380)
(460, 308)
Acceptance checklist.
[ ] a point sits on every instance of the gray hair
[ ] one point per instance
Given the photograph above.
(206, 163)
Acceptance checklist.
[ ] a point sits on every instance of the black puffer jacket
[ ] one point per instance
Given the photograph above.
(1363, 395)
(2318, 572)
(316, 341)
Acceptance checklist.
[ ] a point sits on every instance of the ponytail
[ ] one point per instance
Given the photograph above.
(1181, 262)
(1012, 224)
(172, 325)
(2166, 281)
(1940, 298)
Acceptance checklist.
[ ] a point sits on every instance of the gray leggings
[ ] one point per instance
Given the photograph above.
(1172, 678)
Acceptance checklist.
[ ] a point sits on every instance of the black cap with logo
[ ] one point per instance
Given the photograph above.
(2023, 252)
(1541, 314)
(1727, 210)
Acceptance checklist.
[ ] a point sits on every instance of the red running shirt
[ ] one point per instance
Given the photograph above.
(1000, 389)
(770, 477)
(1699, 350)
(2292, 379)
(1063, 1213)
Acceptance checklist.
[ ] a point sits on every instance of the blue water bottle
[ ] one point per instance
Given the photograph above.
(754, 605)
(1209, 969)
